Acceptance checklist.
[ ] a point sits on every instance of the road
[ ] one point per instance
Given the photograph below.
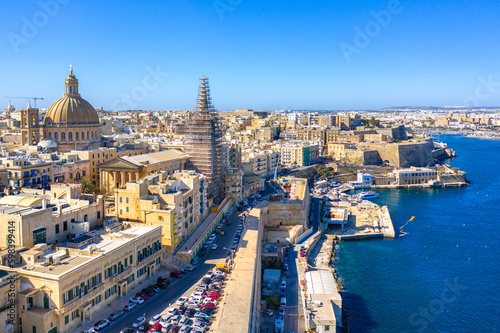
(180, 287)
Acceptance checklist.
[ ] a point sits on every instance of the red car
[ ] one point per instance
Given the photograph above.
(302, 254)
(176, 274)
(212, 296)
(208, 305)
(156, 328)
(142, 295)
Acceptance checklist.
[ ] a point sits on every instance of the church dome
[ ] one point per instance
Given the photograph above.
(71, 109)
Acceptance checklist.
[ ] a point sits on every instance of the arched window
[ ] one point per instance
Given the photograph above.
(56, 136)
(92, 133)
(63, 136)
(88, 136)
(76, 136)
(70, 136)
(50, 134)
(83, 136)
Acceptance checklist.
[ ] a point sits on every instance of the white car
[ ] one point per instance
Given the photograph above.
(155, 319)
(185, 329)
(139, 321)
(209, 274)
(199, 324)
(214, 246)
(175, 319)
(192, 304)
(136, 300)
(197, 294)
(181, 301)
(172, 311)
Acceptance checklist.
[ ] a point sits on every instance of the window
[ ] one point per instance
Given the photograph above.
(57, 228)
(127, 209)
(34, 329)
(65, 225)
(76, 135)
(98, 215)
(66, 320)
(131, 259)
(40, 235)
(75, 314)
(126, 200)
(63, 136)
(98, 299)
(85, 218)
(56, 136)
(70, 136)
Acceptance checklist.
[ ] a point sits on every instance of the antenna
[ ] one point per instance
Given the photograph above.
(28, 98)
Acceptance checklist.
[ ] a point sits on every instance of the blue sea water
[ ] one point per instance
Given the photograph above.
(444, 276)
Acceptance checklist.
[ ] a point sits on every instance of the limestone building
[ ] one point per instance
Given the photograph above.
(71, 121)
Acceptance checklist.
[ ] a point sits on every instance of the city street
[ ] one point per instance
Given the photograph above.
(183, 286)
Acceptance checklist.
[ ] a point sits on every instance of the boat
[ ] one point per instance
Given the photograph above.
(368, 195)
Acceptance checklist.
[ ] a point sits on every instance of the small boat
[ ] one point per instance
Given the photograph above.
(367, 195)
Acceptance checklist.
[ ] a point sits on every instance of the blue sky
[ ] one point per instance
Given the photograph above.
(258, 54)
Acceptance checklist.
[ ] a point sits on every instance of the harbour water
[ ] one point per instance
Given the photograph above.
(444, 276)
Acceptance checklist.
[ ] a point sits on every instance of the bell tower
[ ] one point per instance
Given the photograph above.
(30, 126)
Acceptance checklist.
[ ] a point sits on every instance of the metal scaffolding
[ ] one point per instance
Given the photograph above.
(205, 142)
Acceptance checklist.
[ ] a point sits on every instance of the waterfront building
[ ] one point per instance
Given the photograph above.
(415, 175)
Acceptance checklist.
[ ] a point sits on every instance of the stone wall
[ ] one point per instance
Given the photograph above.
(404, 155)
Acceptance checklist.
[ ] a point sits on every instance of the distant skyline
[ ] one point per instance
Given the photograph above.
(327, 55)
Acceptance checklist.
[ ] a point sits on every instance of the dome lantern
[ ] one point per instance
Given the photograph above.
(71, 84)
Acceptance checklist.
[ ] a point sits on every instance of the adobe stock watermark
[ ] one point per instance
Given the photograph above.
(137, 94)
(485, 89)
(372, 29)
(422, 318)
(30, 28)
(223, 6)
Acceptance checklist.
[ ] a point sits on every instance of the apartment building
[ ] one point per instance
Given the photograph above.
(235, 189)
(177, 202)
(49, 216)
(64, 286)
(27, 171)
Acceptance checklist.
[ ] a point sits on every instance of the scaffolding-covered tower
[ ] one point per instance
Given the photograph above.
(205, 143)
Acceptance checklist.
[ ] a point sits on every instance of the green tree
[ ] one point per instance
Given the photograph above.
(87, 186)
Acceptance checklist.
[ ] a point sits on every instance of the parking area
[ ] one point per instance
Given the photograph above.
(195, 294)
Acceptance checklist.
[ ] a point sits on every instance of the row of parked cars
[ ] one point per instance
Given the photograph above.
(193, 314)
(139, 298)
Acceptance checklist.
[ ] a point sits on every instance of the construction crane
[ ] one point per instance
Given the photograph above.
(28, 98)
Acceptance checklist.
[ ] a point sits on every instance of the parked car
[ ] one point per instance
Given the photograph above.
(162, 279)
(214, 246)
(184, 321)
(143, 328)
(185, 329)
(139, 321)
(127, 330)
(181, 300)
(148, 292)
(175, 319)
(202, 252)
(155, 319)
(207, 311)
(202, 315)
(136, 300)
(199, 324)
(175, 274)
(155, 328)
(101, 324)
(154, 288)
(190, 312)
(165, 320)
(142, 294)
(281, 312)
(269, 312)
(208, 305)
(172, 311)
(182, 309)
(167, 327)
(161, 285)
(116, 315)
